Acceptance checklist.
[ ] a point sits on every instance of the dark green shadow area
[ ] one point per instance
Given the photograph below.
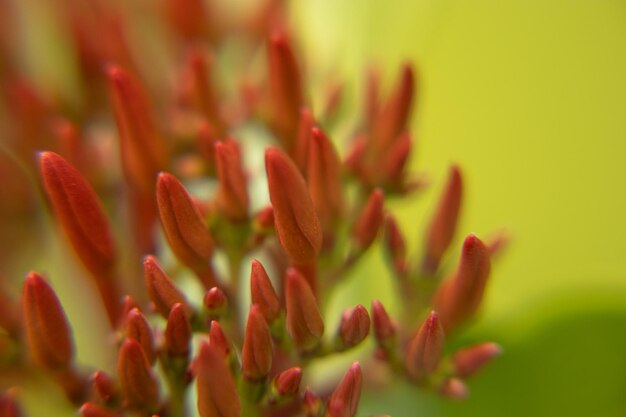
(571, 363)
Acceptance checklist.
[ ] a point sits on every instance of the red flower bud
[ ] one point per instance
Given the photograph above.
(296, 222)
(92, 410)
(178, 332)
(138, 384)
(144, 153)
(263, 294)
(201, 88)
(324, 179)
(369, 221)
(443, 225)
(394, 161)
(81, 214)
(137, 328)
(188, 236)
(354, 327)
(312, 403)
(285, 90)
(256, 355)
(425, 348)
(217, 392)
(48, 333)
(303, 140)
(287, 382)
(472, 359)
(304, 321)
(215, 301)
(218, 338)
(384, 329)
(344, 401)
(395, 245)
(232, 197)
(103, 387)
(161, 290)
(459, 296)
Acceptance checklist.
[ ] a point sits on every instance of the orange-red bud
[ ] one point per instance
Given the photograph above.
(161, 290)
(443, 225)
(144, 153)
(297, 225)
(202, 91)
(354, 326)
(217, 392)
(215, 301)
(48, 332)
(137, 381)
(82, 216)
(263, 294)
(459, 296)
(384, 329)
(425, 348)
(394, 161)
(472, 359)
(93, 410)
(324, 179)
(218, 338)
(287, 383)
(369, 221)
(395, 245)
(178, 332)
(256, 355)
(232, 197)
(137, 328)
(303, 140)
(344, 401)
(304, 321)
(188, 236)
(285, 90)
(103, 387)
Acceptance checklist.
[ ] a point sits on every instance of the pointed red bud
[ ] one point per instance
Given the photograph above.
(200, 72)
(232, 197)
(459, 296)
(441, 230)
(454, 388)
(264, 220)
(394, 162)
(137, 328)
(81, 214)
(472, 359)
(128, 304)
(285, 90)
(312, 403)
(395, 245)
(9, 406)
(301, 150)
(384, 329)
(215, 301)
(93, 410)
(218, 338)
(355, 326)
(394, 115)
(296, 222)
(138, 383)
(425, 348)
(344, 401)
(324, 179)
(287, 383)
(304, 321)
(144, 153)
(48, 332)
(217, 392)
(178, 332)
(103, 387)
(369, 221)
(188, 236)
(263, 294)
(161, 289)
(256, 355)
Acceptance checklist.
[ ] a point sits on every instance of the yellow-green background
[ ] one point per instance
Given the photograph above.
(529, 97)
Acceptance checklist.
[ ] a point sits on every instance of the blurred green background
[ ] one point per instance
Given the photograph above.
(529, 97)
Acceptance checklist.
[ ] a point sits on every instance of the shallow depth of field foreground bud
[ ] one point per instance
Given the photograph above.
(208, 212)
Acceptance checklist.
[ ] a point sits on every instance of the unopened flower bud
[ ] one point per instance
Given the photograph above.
(297, 225)
(178, 332)
(48, 333)
(384, 329)
(161, 290)
(263, 294)
(104, 388)
(425, 348)
(369, 220)
(137, 381)
(304, 321)
(395, 245)
(257, 347)
(469, 360)
(217, 392)
(137, 328)
(303, 140)
(287, 383)
(215, 301)
(344, 401)
(218, 338)
(354, 326)
(232, 195)
(443, 224)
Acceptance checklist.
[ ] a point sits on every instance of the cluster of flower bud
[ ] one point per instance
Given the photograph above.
(325, 212)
